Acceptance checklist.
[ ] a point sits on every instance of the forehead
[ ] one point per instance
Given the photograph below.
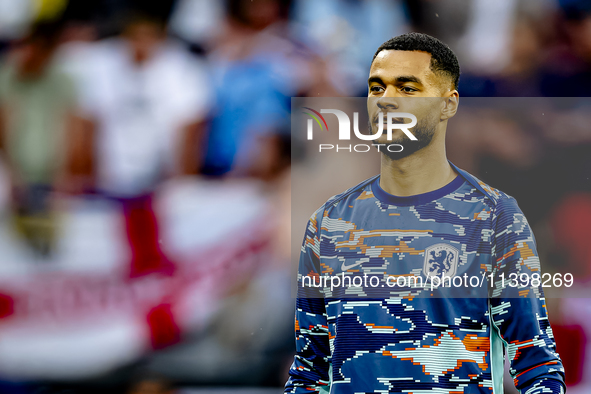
(390, 64)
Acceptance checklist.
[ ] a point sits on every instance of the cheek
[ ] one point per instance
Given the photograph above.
(427, 110)
(372, 106)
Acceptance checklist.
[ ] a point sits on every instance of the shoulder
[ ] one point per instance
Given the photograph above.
(96, 60)
(506, 215)
(337, 199)
(175, 54)
(357, 189)
(494, 197)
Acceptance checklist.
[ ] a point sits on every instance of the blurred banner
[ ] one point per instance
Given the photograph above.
(98, 303)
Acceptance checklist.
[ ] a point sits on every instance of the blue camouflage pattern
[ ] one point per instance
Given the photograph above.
(418, 339)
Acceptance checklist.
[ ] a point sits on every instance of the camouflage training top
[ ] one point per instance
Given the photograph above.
(421, 294)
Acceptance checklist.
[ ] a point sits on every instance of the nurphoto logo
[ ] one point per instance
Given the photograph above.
(394, 120)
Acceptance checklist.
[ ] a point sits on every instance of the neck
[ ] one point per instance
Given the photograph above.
(421, 172)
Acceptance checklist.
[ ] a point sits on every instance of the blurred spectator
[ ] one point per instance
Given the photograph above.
(37, 104)
(526, 59)
(347, 33)
(257, 68)
(199, 22)
(568, 70)
(521, 76)
(571, 222)
(150, 383)
(144, 99)
(452, 20)
(15, 17)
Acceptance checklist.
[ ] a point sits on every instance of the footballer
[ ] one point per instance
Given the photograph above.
(421, 217)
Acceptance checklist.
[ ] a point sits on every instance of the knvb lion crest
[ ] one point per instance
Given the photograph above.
(441, 259)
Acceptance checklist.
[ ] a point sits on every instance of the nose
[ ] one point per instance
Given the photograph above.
(387, 103)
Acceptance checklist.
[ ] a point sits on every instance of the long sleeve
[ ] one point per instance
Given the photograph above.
(519, 313)
(309, 372)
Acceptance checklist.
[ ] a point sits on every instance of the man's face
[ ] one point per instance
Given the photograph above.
(402, 81)
(34, 56)
(144, 37)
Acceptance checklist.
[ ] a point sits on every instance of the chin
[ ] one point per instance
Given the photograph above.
(394, 140)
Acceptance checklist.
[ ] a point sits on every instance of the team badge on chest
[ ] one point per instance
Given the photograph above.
(440, 259)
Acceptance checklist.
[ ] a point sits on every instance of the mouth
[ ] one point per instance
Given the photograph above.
(385, 123)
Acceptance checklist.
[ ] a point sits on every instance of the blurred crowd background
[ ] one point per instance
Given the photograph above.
(146, 162)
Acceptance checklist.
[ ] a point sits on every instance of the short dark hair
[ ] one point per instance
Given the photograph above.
(443, 59)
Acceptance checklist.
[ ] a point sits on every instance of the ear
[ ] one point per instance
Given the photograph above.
(451, 100)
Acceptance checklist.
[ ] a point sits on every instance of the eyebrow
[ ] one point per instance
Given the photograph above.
(399, 79)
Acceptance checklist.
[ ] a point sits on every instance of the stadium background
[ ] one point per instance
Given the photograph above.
(117, 279)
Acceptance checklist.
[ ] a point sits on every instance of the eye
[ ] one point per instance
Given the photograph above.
(408, 89)
(376, 88)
